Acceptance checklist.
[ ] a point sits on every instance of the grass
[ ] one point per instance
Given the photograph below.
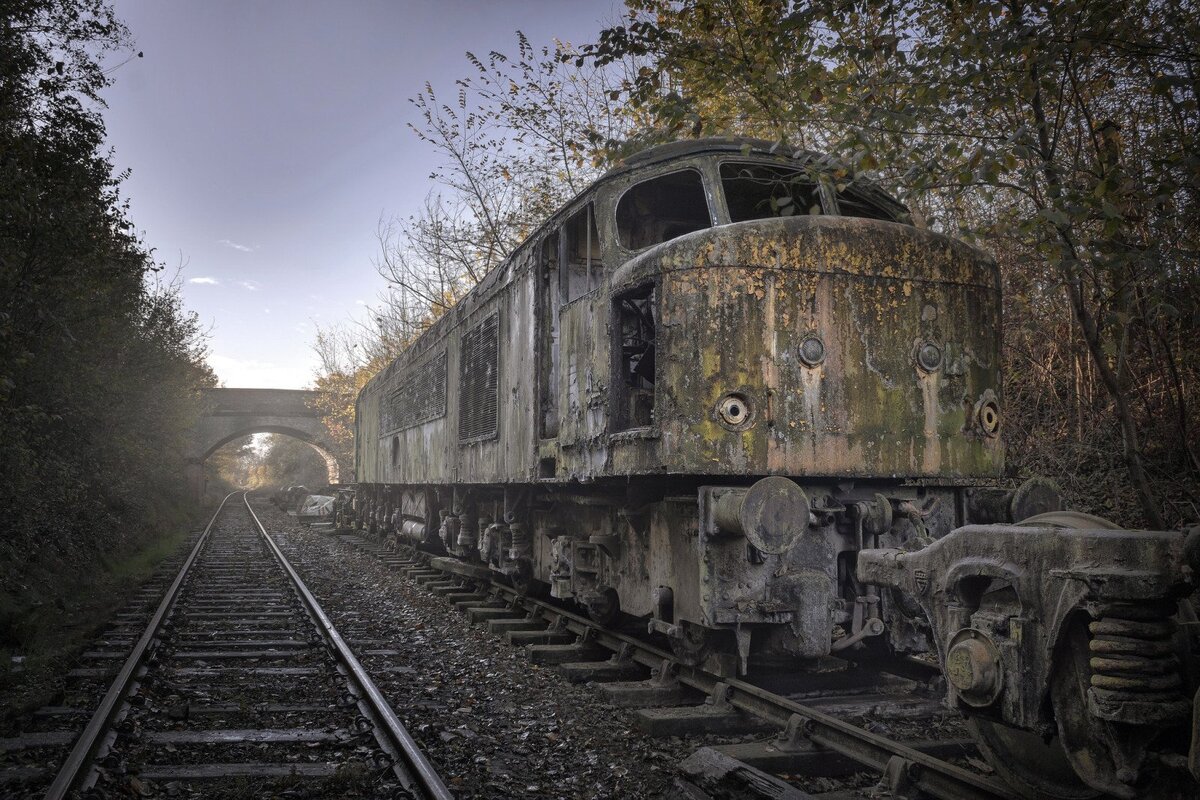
(54, 605)
(138, 565)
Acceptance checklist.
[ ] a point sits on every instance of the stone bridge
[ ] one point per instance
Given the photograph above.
(233, 413)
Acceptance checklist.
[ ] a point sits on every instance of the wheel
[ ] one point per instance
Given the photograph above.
(1075, 520)
(1055, 769)
(1038, 770)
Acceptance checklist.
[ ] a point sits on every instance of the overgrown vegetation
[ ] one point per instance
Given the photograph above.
(266, 462)
(100, 366)
(521, 136)
(1059, 136)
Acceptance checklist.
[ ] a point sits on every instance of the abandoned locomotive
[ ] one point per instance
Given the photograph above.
(760, 410)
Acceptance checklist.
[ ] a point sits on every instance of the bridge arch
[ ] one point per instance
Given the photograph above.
(230, 414)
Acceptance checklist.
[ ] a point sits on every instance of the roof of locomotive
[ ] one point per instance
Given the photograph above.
(744, 145)
(642, 159)
(749, 146)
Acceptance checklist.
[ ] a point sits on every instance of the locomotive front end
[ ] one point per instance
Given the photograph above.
(831, 384)
(847, 371)
(822, 346)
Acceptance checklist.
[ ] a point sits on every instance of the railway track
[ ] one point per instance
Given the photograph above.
(42, 740)
(675, 699)
(240, 685)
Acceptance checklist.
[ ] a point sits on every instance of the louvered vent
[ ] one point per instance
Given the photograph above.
(479, 377)
(420, 397)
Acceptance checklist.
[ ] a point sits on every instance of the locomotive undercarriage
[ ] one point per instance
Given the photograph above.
(1059, 636)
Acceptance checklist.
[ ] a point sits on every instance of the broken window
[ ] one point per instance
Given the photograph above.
(662, 208)
(582, 268)
(634, 317)
(759, 191)
(853, 203)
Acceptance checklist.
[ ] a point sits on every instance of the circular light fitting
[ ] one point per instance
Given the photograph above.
(929, 357)
(812, 350)
(989, 418)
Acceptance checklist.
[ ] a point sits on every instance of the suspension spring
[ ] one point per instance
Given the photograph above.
(521, 542)
(1136, 674)
(450, 531)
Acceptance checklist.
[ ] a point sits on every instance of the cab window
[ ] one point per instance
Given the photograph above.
(852, 203)
(760, 191)
(662, 208)
(581, 267)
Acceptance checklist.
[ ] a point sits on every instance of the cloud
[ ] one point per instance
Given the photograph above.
(241, 248)
(251, 286)
(205, 281)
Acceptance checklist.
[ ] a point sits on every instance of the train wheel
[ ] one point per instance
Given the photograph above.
(1056, 769)
(1038, 770)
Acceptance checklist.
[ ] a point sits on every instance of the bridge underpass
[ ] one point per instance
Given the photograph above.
(234, 413)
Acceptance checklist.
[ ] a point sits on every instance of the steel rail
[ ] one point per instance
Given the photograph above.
(428, 782)
(81, 755)
(928, 773)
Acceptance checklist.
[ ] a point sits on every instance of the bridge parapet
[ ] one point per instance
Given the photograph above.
(233, 413)
(269, 402)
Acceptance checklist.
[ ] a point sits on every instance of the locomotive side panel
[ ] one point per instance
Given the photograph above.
(519, 392)
(366, 436)
(496, 402)
(583, 388)
(414, 416)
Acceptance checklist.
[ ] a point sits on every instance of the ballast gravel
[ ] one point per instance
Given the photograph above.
(492, 723)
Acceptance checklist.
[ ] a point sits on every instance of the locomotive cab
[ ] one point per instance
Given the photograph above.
(759, 324)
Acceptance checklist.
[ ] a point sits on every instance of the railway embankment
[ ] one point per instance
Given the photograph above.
(57, 594)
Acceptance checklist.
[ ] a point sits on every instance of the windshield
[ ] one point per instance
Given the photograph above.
(760, 191)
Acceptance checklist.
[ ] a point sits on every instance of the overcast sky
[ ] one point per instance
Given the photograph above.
(266, 140)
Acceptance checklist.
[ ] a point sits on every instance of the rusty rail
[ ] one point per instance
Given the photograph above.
(928, 773)
(75, 766)
(420, 778)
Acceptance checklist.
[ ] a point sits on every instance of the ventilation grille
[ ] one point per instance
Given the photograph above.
(420, 397)
(479, 378)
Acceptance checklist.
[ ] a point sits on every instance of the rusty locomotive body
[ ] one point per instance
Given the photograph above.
(760, 411)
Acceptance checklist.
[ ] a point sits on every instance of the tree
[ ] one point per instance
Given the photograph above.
(1063, 131)
(522, 136)
(100, 366)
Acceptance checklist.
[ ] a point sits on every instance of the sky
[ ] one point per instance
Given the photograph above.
(265, 140)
